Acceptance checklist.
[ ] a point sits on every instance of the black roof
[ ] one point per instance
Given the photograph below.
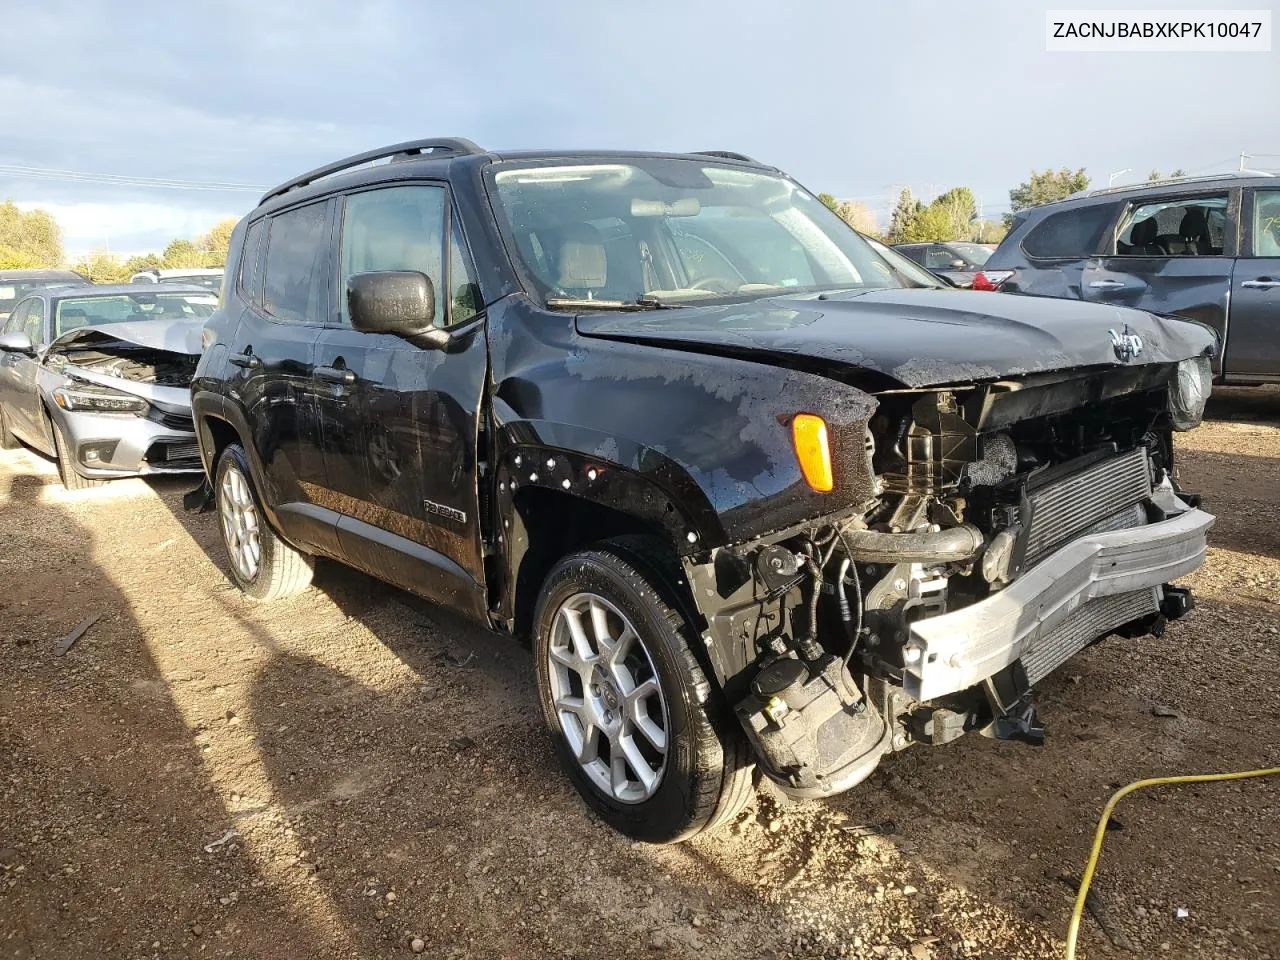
(41, 274)
(433, 157)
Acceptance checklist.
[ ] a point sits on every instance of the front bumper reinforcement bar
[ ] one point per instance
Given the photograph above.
(958, 650)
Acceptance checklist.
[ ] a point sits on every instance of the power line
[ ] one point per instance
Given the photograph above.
(112, 179)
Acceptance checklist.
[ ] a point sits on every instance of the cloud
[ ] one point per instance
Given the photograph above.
(856, 99)
(129, 228)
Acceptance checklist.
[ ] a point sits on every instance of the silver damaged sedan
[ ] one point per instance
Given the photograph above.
(99, 378)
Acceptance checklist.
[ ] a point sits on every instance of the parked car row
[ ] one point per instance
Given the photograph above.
(764, 495)
(1206, 248)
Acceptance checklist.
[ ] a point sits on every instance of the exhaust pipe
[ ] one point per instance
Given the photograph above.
(953, 545)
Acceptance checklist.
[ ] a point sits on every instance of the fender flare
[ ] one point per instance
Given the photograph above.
(206, 405)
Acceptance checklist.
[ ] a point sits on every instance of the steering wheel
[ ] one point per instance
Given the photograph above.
(714, 285)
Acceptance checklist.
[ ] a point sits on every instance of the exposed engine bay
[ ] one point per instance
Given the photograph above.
(128, 362)
(1013, 524)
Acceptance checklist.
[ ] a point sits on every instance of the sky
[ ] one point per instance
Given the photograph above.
(855, 99)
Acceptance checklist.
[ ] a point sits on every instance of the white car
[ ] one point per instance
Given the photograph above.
(210, 277)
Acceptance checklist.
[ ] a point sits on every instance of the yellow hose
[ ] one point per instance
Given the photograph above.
(1073, 930)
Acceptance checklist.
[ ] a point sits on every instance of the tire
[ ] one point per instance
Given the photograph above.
(262, 565)
(70, 478)
(704, 778)
(7, 440)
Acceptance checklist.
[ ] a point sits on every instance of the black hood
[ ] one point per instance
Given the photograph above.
(918, 337)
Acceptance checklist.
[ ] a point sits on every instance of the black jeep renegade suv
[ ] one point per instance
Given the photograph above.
(760, 498)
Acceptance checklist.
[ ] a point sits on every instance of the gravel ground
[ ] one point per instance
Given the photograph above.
(354, 773)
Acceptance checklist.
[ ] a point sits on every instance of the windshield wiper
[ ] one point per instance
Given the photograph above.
(645, 302)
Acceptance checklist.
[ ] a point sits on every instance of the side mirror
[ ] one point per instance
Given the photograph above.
(958, 264)
(17, 343)
(399, 302)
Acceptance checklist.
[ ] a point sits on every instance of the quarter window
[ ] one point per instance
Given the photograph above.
(395, 228)
(250, 261)
(464, 302)
(1069, 234)
(1185, 227)
(294, 287)
(1266, 223)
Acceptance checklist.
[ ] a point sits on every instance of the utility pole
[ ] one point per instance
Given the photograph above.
(1119, 173)
(1243, 157)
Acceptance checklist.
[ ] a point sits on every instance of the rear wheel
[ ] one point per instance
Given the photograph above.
(636, 724)
(70, 478)
(7, 440)
(263, 565)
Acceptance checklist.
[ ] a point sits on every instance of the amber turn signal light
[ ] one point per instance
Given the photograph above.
(809, 435)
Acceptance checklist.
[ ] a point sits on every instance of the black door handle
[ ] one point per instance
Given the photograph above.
(246, 360)
(336, 375)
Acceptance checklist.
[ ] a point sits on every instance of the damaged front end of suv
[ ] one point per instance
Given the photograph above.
(996, 525)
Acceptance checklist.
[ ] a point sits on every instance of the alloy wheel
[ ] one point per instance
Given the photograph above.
(241, 527)
(608, 698)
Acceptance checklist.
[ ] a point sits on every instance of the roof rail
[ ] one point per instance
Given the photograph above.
(726, 155)
(439, 146)
(1203, 178)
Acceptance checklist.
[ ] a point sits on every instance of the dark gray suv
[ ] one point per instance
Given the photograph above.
(1205, 248)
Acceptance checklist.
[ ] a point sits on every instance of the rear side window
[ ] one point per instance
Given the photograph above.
(250, 261)
(294, 274)
(1185, 227)
(1069, 233)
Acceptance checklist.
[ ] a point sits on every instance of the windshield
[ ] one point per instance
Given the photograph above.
(211, 281)
(975, 253)
(676, 230)
(93, 311)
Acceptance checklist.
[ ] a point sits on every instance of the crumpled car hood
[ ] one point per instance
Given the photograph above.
(918, 337)
(173, 336)
(176, 336)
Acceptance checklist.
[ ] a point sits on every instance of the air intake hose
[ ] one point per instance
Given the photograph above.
(953, 545)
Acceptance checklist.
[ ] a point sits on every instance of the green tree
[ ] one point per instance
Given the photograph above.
(213, 245)
(33, 235)
(902, 219)
(829, 201)
(141, 262)
(958, 208)
(1045, 187)
(988, 231)
(1154, 176)
(11, 258)
(182, 253)
(1179, 172)
(101, 267)
(858, 216)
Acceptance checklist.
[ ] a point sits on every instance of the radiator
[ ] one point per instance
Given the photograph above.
(1085, 624)
(1105, 492)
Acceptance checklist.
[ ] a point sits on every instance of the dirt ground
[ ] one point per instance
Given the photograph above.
(353, 773)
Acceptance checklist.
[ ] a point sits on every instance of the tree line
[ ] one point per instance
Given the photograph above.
(952, 216)
(33, 239)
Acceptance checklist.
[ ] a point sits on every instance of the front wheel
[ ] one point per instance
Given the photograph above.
(263, 565)
(636, 724)
(66, 470)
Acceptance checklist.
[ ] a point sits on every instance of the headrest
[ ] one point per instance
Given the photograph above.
(1144, 232)
(582, 261)
(1194, 223)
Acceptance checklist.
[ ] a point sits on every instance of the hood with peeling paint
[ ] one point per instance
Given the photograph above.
(918, 337)
(175, 336)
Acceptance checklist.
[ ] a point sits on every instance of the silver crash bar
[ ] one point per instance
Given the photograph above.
(960, 649)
